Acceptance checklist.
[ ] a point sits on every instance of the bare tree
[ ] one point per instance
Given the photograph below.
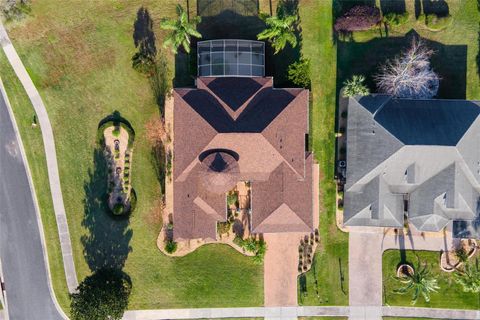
(409, 75)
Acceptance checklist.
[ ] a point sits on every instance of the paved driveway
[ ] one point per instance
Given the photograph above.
(21, 252)
(281, 268)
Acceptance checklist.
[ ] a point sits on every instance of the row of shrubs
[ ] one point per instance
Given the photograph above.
(363, 17)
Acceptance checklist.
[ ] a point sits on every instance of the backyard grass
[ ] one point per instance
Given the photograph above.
(78, 55)
(33, 143)
(450, 295)
(327, 281)
(456, 49)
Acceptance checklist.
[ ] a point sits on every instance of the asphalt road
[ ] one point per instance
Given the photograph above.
(23, 264)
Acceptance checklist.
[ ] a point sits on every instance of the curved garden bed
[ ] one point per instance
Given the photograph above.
(116, 138)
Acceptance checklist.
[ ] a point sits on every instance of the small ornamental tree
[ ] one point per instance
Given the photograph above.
(409, 75)
(358, 18)
(355, 87)
(421, 282)
(102, 295)
(299, 73)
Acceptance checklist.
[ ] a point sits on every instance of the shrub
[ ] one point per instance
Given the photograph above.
(171, 246)
(238, 241)
(395, 19)
(250, 245)
(299, 73)
(118, 209)
(436, 23)
(223, 227)
(358, 18)
(232, 199)
(355, 87)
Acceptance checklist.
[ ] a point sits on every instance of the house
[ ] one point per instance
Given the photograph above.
(418, 159)
(235, 126)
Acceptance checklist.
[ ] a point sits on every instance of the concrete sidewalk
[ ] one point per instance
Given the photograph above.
(51, 157)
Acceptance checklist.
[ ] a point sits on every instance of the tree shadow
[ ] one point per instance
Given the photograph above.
(418, 8)
(159, 160)
(392, 6)
(143, 35)
(449, 61)
(106, 244)
(437, 7)
(159, 81)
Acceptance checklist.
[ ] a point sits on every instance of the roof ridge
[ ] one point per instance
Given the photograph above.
(281, 210)
(302, 176)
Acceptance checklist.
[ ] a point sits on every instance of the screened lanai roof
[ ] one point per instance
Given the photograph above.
(231, 58)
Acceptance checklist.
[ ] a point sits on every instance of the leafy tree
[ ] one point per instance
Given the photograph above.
(355, 87)
(409, 75)
(181, 30)
(280, 31)
(102, 295)
(299, 73)
(420, 282)
(469, 278)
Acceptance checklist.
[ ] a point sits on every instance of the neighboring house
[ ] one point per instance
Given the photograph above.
(413, 158)
(235, 126)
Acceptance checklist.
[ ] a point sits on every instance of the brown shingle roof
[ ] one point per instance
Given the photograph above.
(264, 129)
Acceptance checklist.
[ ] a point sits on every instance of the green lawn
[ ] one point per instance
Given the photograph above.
(327, 282)
(78, 55)
(450, 295)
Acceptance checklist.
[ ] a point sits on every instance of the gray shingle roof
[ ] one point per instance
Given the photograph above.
(427, 150)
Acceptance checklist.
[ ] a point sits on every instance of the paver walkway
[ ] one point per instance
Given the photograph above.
(51, 156)
(281, 269)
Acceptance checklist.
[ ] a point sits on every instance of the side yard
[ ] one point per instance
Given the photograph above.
(79, 57)
(327, 282)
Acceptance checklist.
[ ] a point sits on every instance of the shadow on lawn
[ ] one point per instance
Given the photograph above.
(106, 244)
(449, 61)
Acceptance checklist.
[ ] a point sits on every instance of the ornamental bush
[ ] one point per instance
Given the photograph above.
(118, 209)
(358, 18)
(299, 73)
(171, 246)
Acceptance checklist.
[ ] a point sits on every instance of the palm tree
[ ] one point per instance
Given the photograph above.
(469, 278)
(181, 30)
(279, 31)
(355, 86)
(421, 282)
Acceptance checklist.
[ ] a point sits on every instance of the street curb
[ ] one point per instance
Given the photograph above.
(35, 201)
(3, 294)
